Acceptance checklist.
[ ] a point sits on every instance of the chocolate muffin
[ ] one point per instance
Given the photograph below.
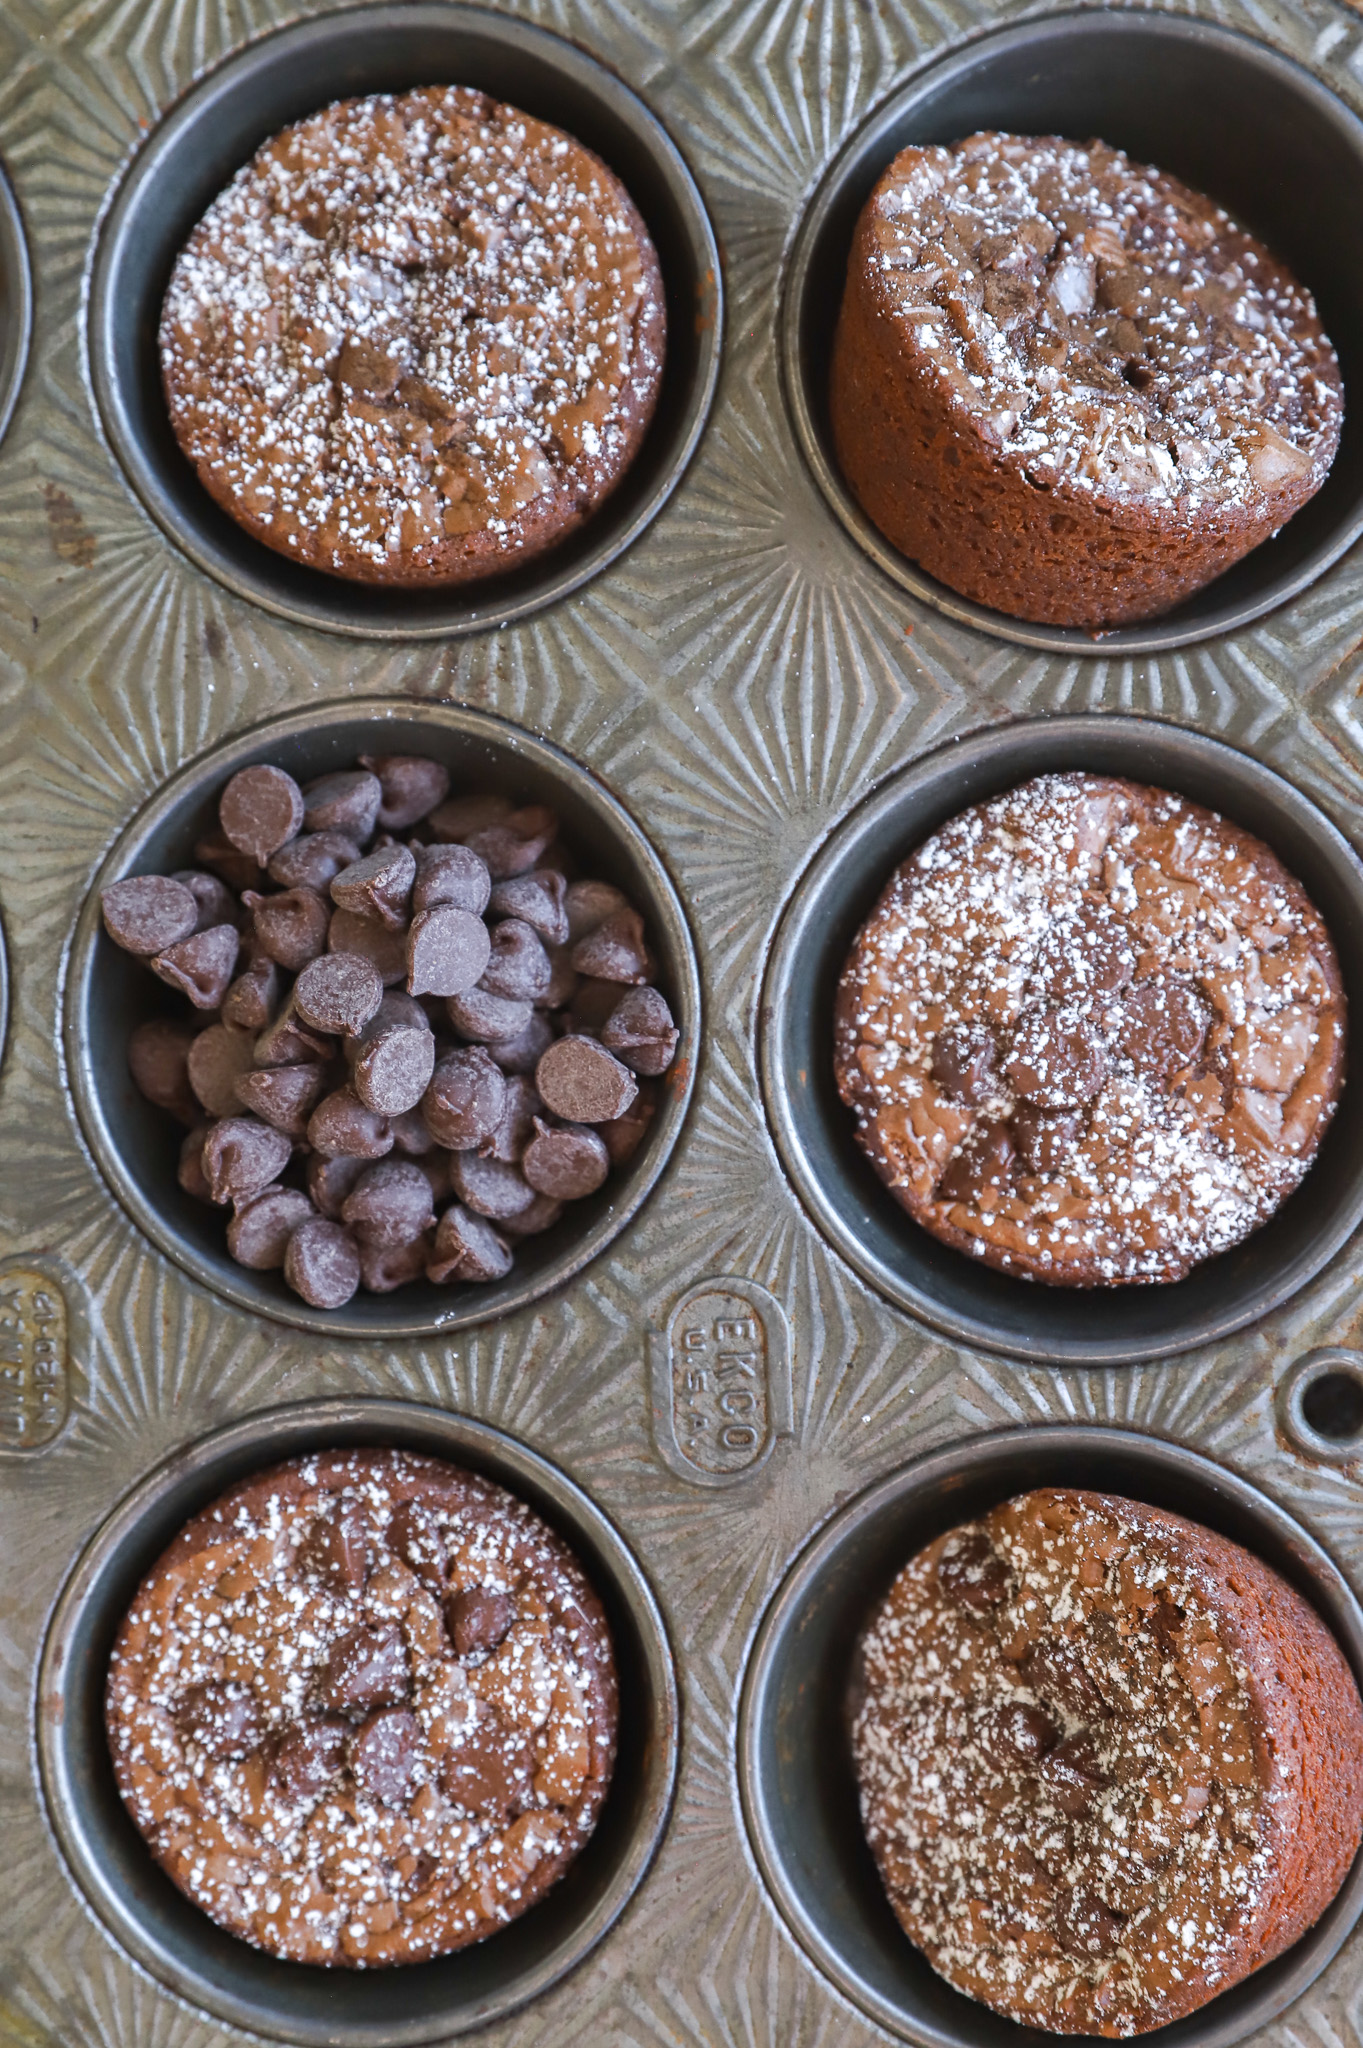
(1069, 387)
(363, 1709)
(418, 339)
(1092, 1033)
(1110, 1763)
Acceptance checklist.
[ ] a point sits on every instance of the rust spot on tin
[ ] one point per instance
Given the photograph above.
(71, 538)
(720, 1373)
(706, 301)
(34, 1357)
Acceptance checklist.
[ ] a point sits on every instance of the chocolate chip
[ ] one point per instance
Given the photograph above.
(253, 998)
(190, 1172)
(1055, 1670)
(594, 1002)
(465, 814)
(583, 1083)
(624, 1134)
(541, 1214)
(465, 1100)
(415, 1536)
(291, 927)
(289, 1043)
(384, 1267)
(366, 1669)
(1044, 1138)
(335, 1550)
(478, 1619)
(564, 979)
(1018, 1734)
(322, 1264)
(1161, 1027)
(523, 1053)
(1058, 1059)
(963, 1064)
(565, 1164)
(979, 1172)
(451, 874)
(238, 870)
(259, 810)
(489, 1186)
(241, 1156)
(258, 1235)
(513, 845)
(1087, 952)
(640, 1031)
(344, 1127)
(282, 1096)
(330, 1181)
(338, 993)
(615, 950)
(516, 1125)
(589, 904)
(1073, 1773)
(390, 1204)
(1085, 1927)
(308, 1755)
(488, 1019)
(538, 899)
(223, 1720)
(489, 1776)
(971, 1573)
(313, 860)
(447, 951)
(383, 1756)
(378, 886)
(347, 802)
(412, 1135)
(201, 966)
(385, 949)
(412, 786)
(394, 1070)
(518, 967)
(159, 1054)
(467, 1248)
(216, 903)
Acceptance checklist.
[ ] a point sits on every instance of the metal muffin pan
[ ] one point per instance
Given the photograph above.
(178, 1944)
(108, 993)
(219, 124)
(814, 1132)
(1228, 115)
(16, 302)
(795, 1766)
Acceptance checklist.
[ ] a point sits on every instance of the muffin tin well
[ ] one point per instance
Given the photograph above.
(814, 1132)
(177, 1943)
(1229, 116)
(795, 1767)
(108, 992)
(16, 302)
(1320, 1406)
(217, 127)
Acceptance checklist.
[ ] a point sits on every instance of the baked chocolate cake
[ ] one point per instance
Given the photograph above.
(1092, 1033)
(418, 339)
(363, 1709)
(1110, 1763)
(1069, 387)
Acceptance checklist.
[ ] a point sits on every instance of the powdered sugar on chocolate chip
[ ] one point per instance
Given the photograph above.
(1092, 1032)
(1100, 323)
(416, 337)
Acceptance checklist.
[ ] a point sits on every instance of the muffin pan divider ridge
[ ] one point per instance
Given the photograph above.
(720, 682)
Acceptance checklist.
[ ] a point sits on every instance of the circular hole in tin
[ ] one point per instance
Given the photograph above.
(16, 302)
(297, 2002)
(1320, 1406)
(814, 1132)
(794, 1759)
(1229, 116)
(1332, 1405)
(108, 993)
(216, 128)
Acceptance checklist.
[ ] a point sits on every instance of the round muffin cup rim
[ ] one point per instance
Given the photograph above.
(943, 1463)
(469, 614)
(104, 1153)
(316, 1417)
(1153, 636)
(14, 258)
(965, 753)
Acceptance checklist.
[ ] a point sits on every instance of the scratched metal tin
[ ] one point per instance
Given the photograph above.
(717, 1379)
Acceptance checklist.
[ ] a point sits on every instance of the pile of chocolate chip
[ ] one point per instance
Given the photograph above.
(409, 1051)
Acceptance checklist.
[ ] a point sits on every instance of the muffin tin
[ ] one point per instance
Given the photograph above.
(754, 713)
(16, 302)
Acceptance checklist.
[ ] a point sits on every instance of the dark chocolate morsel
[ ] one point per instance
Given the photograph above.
(379, 886)
(259, 810)
(348, 932)
(615, 950)
(451, 874)
(308, 1755)
(312, 861)
(516, 1126)
(291, 927)
(565, 1164)
(541, 1214)
(1161, 1026)
(1085, 1927)
(523, 1053)
(624, 1134)
(330, 1181)
(239, 870)
(338, 993)
(467, 1248)
(1054, 1669)
(594, 1003)
(223, 1720)
(346, 802)
(447, 951)
(640, 1031)
(487, 1019)
(583, 1083)
(515, 843)
(241, 1156)
(971, 1573)
(342, 1126)
(491, 1187)
(1058, 1059)
(384, 1267)
(322, 1264)
(282, 1096)
(518, 967)
(390, 1204)
(477, 1619)
(1044, 1137)
(415, 1536)
(1016, 1733)
(258, 1235)
(979, 1172)
(411, 787)
(464, 1103)
(394, 1070)
(201, 966)
(538, 899)
(335, 1550)
(159, 1055)
(289, 1043)
(1088, 952)
(589, 904)
(366, 1669)
(963, 1064)
(253, 998)
(215, 901)
(384, 1756)
(489, 1776)
(190, 1172)
(462, 815)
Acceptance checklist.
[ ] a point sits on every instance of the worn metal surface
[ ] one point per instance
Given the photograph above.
(741, 676)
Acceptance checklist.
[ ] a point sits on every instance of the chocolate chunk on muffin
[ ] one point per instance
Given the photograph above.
(363, 1709)
(1068, 386)
(1092, 1033)
(1109, 1762)
(418, 339)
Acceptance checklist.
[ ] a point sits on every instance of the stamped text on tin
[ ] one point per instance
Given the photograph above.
(33, 1361)
(720, 1376)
